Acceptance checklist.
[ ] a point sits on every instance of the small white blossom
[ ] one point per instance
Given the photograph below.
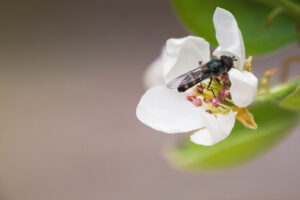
(169, 111)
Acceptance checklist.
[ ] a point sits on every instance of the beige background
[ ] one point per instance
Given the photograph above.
(70, 79)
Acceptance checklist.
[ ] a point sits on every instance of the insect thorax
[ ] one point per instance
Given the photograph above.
(216, 67)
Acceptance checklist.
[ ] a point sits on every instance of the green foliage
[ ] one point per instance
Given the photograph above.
(276, 111)
(251, 17)
(242, 145)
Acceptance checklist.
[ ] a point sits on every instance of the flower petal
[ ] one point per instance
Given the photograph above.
(217, 129)
(243, 88)
(229, 36)
(154, 74)
(168, 111)
(183, 55)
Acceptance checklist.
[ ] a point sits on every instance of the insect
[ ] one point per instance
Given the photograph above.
(212, 69)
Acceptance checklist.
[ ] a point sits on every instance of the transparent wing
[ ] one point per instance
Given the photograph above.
(186, 78)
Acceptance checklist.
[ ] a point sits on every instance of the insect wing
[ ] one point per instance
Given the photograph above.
(185, 78)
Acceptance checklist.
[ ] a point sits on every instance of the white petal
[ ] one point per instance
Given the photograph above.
(229, 36)
(168, 111)
(217, 129)
(183, 55)
(154, 74)
(243, 87)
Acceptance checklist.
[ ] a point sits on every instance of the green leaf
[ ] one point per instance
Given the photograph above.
(242, 145)
(251, 17)
(293, 100)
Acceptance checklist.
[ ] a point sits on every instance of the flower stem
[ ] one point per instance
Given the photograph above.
(286, 67)
(272, 16)
(291, 8)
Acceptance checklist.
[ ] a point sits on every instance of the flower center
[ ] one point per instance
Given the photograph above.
(214, 99)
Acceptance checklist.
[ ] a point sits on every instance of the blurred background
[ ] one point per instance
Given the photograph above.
(70, 79)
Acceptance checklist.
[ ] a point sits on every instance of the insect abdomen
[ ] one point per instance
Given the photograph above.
(183, 88)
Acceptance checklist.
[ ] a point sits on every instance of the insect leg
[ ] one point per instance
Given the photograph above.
(209, 83)
(213, 92)
(218, 80)
(211, 89)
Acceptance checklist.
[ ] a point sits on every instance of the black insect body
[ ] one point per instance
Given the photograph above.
(212, 69)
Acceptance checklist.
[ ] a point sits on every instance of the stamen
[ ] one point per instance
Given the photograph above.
(201, 96)
(264, 84)
(225, 77)
(223, 94)
(224, 107)
(197, 102)
(206, 100)
(199, 89)
(229, 101)
(248, 64)
(271, 71)
(190, 97)
(216, 102)
(225, 80)
(208, 111)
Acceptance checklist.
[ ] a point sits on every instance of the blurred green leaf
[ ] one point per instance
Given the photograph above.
(251, 17)
(293, 100)
(242, 145)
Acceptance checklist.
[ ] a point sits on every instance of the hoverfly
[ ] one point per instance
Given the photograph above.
(212, 69)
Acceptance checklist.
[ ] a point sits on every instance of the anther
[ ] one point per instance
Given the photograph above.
(225, 77)
(225, 80)
(190, 97)
(208, 111)
(206, 100)
(216, 102)
(199, 89)
(225, 92)
(197, 102)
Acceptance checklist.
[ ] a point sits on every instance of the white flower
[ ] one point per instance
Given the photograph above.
(169, 111)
